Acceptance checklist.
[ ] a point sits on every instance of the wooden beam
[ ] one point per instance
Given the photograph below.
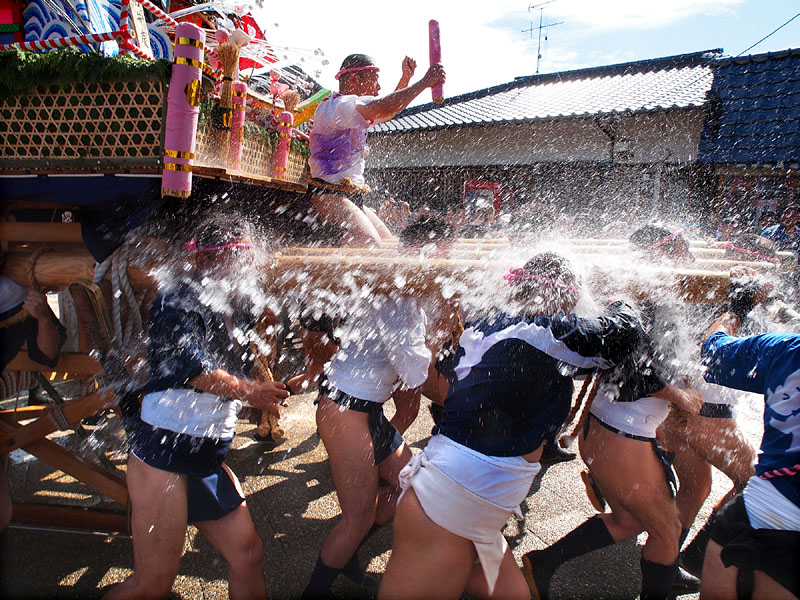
(54, 455)
(16, 231)
(60, 269)
(23, 413)
(73, 517)
(73, 412)
(70, 362)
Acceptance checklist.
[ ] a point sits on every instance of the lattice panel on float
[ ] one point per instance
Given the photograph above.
(85, 125)
(298, 170)
(256, 156)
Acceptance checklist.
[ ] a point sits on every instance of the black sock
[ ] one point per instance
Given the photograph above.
(694, 554)
(657, 580)
(322, 578)
(353, 571)
(587, 537)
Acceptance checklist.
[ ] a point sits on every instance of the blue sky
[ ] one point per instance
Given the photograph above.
(483, 43)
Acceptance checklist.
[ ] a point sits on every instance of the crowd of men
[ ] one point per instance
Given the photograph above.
(504, 378)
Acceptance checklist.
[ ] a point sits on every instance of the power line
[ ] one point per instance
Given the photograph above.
(768, 35)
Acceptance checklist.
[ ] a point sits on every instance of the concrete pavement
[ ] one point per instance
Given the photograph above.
(291, 499)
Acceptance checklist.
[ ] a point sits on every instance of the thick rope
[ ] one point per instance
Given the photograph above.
(17, 317)
(12, 383)
(586, 407)
(121, 286)
(579, 400)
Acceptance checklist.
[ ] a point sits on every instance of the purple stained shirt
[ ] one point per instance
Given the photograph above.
(338, 140)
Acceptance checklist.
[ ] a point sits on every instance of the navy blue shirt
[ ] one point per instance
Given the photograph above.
(782, 238)
(766, 364)
(188, 338)
(512, 384)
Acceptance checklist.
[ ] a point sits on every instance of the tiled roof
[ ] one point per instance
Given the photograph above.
(755, 111)
(671, 82)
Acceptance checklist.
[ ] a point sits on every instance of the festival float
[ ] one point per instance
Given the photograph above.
(108, 116)
(122, 117)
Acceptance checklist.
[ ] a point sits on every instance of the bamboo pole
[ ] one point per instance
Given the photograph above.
(715, 263)
(407, 275)
(622, 242)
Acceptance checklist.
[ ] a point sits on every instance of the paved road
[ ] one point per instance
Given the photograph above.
(293, 504)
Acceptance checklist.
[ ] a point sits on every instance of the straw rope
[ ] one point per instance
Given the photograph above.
(23, 314)
(587, 404)
(262, 372)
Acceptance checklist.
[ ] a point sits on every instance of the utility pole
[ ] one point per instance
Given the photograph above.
(540, 6)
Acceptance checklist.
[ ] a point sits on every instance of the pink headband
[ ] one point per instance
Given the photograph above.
(663, 241)
(515, 274)
(191, 246)
(730, 246)
(352, 69)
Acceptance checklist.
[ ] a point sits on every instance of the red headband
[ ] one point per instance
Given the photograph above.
(352, 69)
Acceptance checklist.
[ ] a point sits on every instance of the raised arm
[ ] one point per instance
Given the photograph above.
(387, 107)
(409, 67)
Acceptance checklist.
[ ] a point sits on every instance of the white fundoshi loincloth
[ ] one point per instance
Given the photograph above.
(447, 499)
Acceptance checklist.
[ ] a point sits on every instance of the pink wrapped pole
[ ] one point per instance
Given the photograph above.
(183, 110)
(239, 100)
(435, 52)
(280, 161)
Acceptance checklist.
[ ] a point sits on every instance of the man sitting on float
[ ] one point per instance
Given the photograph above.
(338, 143)
(339, 149)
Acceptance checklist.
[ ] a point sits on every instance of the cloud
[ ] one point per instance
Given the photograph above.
(483, 43)
(611, 15)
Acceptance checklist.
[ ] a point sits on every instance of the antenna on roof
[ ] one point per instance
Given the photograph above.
(540, 6)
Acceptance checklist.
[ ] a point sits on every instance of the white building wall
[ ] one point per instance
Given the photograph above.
(669, 137)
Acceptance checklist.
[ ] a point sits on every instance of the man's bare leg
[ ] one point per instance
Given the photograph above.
(340, 211)
(5, 496)
(236, 539)
(422, 551)
(389, 471)
(355, 477)
(406, 403)
(378, 224)
(158, 523)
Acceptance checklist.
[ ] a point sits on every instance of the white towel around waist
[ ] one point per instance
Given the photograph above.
(449, 503)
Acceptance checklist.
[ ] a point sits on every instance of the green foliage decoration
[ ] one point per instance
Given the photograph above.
(21, 72)
(301, 147)
(268, 137)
